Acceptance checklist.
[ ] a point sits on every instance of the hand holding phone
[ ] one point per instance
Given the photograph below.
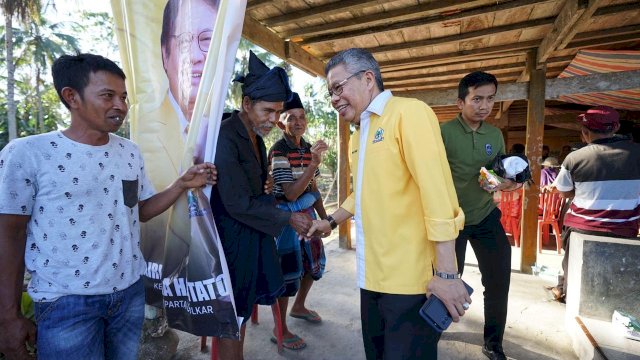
(435, 313)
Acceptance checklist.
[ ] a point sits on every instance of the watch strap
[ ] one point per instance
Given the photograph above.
(447, 276)
(332, 222)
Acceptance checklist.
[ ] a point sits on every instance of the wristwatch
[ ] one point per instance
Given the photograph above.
(332, 222)
(447, 276)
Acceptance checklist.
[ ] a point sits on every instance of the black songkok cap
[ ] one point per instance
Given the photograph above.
(262, 83)
(293, 103)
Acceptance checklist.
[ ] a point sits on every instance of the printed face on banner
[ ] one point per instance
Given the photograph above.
(185, 49)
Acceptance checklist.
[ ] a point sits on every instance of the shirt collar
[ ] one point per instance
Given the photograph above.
(184, 124)
(480, 130)
(377, 105)
(236, 123)
(609, 140)
(291, 145)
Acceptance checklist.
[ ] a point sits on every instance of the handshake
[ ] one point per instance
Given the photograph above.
(306, 227)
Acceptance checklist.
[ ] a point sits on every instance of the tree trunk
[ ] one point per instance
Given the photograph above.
(39, 99)
(11, 103)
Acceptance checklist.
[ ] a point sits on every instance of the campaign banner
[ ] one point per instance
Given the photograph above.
(178, 56)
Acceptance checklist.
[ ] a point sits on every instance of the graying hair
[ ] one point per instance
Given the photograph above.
(356, 60)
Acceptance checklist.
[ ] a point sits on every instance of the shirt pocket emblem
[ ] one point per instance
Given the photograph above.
(488, 149)
(379, 136)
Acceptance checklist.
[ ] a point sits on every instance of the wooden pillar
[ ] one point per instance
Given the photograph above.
(344, 180)
(504, 118)
(534, 139)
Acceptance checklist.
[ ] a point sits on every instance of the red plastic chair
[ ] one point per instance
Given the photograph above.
(511, 207)
(551, 207)
(254, 320)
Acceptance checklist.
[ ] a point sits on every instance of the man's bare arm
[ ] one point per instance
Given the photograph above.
(293, 190)
(16, 329)
(451, 291)
(196, 176)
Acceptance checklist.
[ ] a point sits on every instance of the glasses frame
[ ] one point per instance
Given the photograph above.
(339, 87)
(181, 38)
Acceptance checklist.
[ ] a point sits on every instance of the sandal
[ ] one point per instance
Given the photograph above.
(311, 317)
(294, 343)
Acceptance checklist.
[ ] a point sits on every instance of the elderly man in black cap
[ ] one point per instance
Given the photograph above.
(246, 217)
(294, 163)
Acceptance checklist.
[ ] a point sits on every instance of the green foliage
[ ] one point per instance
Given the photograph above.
(234, 94)
(322, 122)
(54, 116)
(36, 44)
(27, 307)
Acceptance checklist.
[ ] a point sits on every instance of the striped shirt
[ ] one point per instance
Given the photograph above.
(288, 163)
(606, 178)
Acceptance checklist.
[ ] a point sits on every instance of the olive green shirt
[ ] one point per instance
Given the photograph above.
(468, 151)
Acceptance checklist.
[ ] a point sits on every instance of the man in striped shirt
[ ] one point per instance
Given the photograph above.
(294, 165)
(603, 178)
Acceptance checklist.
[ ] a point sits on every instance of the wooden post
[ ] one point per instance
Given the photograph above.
(344, 181)
(534, 140)
(504, 121)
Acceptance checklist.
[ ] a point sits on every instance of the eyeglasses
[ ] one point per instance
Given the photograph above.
(185, 39)
(339, 87)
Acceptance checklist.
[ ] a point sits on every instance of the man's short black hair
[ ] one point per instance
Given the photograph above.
(474, 80)
(517, 149)
(74, 71)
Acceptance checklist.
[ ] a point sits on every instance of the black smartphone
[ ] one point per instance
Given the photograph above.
(436, 314)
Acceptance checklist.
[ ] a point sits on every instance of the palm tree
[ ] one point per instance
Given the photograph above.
(42, 45)
(23, 10)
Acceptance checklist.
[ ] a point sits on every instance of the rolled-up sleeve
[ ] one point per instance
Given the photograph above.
(350, 204)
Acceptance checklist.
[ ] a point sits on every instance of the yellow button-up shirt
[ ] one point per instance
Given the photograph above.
(406, 198)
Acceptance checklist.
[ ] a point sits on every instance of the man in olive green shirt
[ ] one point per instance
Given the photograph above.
(470, 144)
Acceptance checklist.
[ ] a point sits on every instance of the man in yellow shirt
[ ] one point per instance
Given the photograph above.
(405, 207)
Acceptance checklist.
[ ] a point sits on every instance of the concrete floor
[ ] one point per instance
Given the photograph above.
(535, 326)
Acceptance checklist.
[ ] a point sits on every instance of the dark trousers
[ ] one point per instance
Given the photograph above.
(493, 251)
(392, 328)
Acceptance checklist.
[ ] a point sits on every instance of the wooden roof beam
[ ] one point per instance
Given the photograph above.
(412, 12)
(586, 39)
(591, 43)
(589, 35)
(589, 12)
(471, 55)
(553, 120)
(451, 62)
(321, 11)
(518, 48)
(524, 77)
(255, 4)
(403, 78)
(564, 24)
(590, 39)
(387, 78)
(452, 82)
(472, 35)
(447, 83)
(438, 18)
(493, 31)
(292, 53)
(614, 81)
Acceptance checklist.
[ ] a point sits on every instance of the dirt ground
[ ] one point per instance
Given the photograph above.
(535, 325)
